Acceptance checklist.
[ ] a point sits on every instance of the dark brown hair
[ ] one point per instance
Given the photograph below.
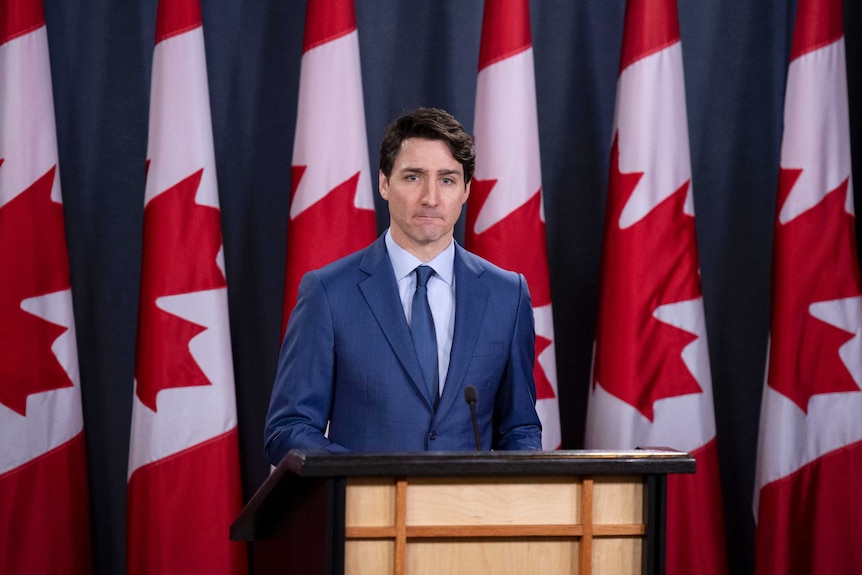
(431, 124)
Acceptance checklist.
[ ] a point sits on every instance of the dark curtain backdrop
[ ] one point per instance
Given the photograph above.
(419, 53)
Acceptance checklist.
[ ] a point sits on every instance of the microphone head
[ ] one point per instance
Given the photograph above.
(470, 394)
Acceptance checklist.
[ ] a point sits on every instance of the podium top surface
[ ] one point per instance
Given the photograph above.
(487, 463)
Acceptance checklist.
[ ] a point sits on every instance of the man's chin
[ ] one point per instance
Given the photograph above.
(429, 239)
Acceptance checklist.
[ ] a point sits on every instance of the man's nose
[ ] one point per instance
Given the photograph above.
(430, 194)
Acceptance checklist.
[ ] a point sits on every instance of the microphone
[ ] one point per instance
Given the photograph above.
(471, 396)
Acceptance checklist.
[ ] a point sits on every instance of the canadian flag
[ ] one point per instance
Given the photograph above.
(651, 379)
(184, 480)
(44, 503)
(809, 457)
(332, 206)
(505, 214)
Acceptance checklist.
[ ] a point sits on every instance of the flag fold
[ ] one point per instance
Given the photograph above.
(651, 383)
(184, 474)
(809, 456)
(44, 501)
(505, 212)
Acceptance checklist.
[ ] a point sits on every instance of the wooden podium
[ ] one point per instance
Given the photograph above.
(519, 513)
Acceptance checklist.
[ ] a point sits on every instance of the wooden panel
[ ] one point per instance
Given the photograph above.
(620, 556)
(372, 556)
(500, 557)
(585, 552)
(400, 527)
(370, 503)
(619, 529)
(490, 501)
(429, 531)
(493, 525)
(618, 500)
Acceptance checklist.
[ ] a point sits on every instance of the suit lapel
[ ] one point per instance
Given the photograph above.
(471, 298)
(381, 294)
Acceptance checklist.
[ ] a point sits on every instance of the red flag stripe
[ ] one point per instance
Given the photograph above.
(510, 21)
(809, 521)
(45, 518)
(818, 23)
(19, 17)
(194, 511)
(650, 26)
(695, 501)
(326, 21)
(176, 17)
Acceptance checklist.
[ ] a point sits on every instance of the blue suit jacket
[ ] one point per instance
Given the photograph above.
(348, 360)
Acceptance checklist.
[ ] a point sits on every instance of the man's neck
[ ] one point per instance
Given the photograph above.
(423, 252)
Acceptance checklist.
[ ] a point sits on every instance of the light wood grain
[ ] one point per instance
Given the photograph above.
(364, 557)
(500, 557)
(620, 556)
(618, 500)
(370, 503)
(493, 501)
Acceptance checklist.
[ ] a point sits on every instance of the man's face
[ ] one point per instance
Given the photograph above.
(425, 191)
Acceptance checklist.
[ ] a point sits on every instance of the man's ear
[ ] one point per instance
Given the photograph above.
(383, 186)
(467, 192)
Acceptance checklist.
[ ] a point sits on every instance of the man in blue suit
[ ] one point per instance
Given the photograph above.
(380, 356)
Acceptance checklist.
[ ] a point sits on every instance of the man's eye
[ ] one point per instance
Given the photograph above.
(412, 177)
(448, 181)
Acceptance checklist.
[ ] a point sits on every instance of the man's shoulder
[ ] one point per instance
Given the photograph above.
(485, 269)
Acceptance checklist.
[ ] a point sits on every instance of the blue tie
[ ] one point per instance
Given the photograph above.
(424, 336)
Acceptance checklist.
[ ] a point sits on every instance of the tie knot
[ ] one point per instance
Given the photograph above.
(422, 275)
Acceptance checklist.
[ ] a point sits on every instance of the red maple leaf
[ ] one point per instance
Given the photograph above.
(814, 261)
(181, 242)
(544, 389)
(647, 265)
(34, 262)
(517, 242)
(331, 228)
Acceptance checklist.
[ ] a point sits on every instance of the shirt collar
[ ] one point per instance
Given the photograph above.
(403, 262)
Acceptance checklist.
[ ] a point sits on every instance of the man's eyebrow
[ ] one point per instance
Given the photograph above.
(443, 172)
(449, 172)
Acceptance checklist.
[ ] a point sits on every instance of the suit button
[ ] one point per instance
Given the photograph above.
(432, 436)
